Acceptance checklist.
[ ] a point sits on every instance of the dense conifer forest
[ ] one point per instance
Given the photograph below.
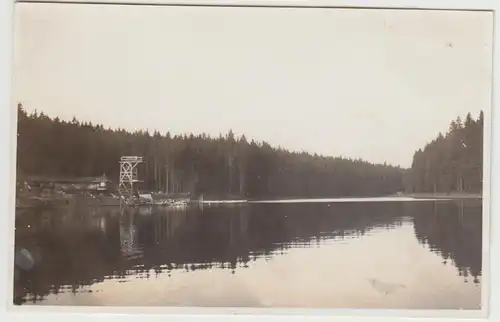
(230, 166)
(451, 162)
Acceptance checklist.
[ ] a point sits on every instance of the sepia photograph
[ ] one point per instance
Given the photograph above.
(251, 157)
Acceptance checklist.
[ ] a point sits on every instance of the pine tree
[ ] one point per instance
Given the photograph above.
(197, 163)
(452, 162)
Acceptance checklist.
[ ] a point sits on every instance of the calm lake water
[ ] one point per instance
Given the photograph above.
(385, 254)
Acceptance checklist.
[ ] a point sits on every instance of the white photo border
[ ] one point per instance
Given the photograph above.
(491, 205)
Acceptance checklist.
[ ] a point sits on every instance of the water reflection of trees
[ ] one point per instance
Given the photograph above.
(453, 230)
(82, 248)
(71, 249)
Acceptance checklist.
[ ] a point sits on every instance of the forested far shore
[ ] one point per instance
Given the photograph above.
(224, 166)
(453, 162)
(233, 167)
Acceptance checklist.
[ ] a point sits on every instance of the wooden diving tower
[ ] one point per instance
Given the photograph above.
(128, 176)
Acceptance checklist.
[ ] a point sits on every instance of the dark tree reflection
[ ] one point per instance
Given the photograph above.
(454, 230)
(77, 248)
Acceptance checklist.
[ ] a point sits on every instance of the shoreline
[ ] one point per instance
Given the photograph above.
(58, 202)
(441, 195)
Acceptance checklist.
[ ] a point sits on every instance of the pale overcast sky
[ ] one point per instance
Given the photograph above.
(374, 84)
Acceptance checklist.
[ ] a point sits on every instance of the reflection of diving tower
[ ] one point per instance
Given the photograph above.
(129, 238)
(128, 175)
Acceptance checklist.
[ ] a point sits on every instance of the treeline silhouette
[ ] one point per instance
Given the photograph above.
(225, 166)
(451, 162)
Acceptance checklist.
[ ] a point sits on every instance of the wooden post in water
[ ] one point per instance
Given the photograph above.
(461, 213)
